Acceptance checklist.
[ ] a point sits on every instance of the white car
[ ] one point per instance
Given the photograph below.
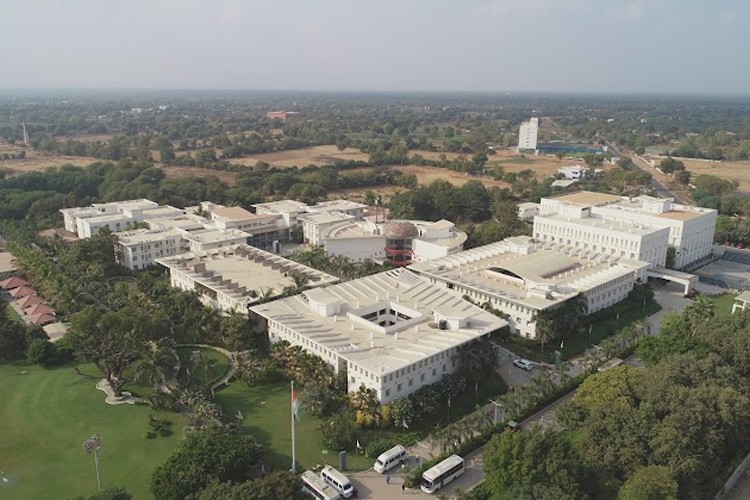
(524, 364)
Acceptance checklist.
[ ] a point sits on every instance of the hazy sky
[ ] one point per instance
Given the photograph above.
(495, 45)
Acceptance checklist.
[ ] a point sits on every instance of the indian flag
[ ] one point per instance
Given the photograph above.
(296, 406)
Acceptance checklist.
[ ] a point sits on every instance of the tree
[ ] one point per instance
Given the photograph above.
(339, 431)
(402, 412)
(111, 493)
(111, 340)
(278, 485)
(476, 359)
(654, 482)
(536, 457)
(669, 165)
(213, 455)
(317, 398)
(12, 337)
(41, 352)
(156, 366)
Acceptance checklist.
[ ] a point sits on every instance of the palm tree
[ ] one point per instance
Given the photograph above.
(249, 368)
(699, 311)
(157, 366)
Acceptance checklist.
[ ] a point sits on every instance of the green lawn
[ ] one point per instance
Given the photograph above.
(722, 303)
(266, 411)
(47, 414)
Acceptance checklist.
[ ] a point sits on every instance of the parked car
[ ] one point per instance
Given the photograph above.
(524, 364)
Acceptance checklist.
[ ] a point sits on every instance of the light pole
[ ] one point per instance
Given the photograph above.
(94, 444)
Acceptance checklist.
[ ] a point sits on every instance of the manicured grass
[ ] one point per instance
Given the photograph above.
(266, 410)
(215, 372)
(722, 303)
(47, 414)
(266, 415)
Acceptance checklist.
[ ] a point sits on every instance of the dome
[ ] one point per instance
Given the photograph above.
(400, 230)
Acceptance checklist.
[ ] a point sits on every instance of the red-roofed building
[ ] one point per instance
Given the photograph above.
(13, 282)
(42, 319)
(39, 309)
(30, 300)
(22, 291)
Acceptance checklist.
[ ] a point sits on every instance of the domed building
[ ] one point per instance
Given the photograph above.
(398, 241)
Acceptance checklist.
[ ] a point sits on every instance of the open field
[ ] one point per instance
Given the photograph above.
(425, 175)
(358, 194)
(47, 414)
(542, 166)
(178, 172)
(314, 155)
(730, 170)
(722, 303)
(86, 137)
(36, 162)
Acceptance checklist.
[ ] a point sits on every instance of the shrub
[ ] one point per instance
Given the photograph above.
(376, 447)
(41, 352)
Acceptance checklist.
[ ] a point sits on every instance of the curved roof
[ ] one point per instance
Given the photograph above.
(400, 230)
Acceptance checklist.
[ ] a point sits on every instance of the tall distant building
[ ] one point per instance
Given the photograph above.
(527, 135)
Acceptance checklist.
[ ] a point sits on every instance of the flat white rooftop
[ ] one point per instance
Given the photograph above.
(539, 279)
(282, 206)
(243, 272)
(141, 236)
(338, 205)
(588, 198)
(215, 235)
(381, 350)
(326, 217)
(604, 224)
(232, 213)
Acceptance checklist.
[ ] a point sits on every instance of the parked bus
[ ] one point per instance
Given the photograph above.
(314, 485)
(389, 459)
(338, 481)
(442, 474)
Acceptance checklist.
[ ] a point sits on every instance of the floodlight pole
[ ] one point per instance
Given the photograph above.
(93, 444)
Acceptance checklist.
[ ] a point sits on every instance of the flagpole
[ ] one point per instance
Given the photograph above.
(294, 461)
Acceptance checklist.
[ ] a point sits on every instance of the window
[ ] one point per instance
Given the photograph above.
(398, 387)
(387, 392)
(411, 382)
(421, 377)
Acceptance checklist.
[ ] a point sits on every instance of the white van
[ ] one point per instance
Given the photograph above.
(386, 461)
(338, 481)
(313, 485)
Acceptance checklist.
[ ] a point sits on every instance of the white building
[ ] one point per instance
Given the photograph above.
(400, 242)
(573, 173)
(263, 228)
(204, 240)
(582, 217)
(116, 216)
(233, 278)
(527, 211)
(139, 249)
(527, 135)
(521, 278)
(393, 332)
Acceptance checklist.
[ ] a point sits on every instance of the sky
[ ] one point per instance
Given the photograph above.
(674, 46)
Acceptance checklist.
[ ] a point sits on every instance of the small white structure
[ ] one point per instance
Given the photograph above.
(139, 249)
(563, 183)
(572, 173)
(742, 300)
(527, 135)
(527, 210)
(393, 332)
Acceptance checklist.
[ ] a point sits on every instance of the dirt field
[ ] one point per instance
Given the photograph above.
(315, 155)
(86, 137)
(730, 170)
(425, 175)
(177, 172)
(35, 162)
(543, 166)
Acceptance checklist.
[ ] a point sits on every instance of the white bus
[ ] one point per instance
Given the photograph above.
(314, 485)
(442, 474)
(389, 459)
(338, 481)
